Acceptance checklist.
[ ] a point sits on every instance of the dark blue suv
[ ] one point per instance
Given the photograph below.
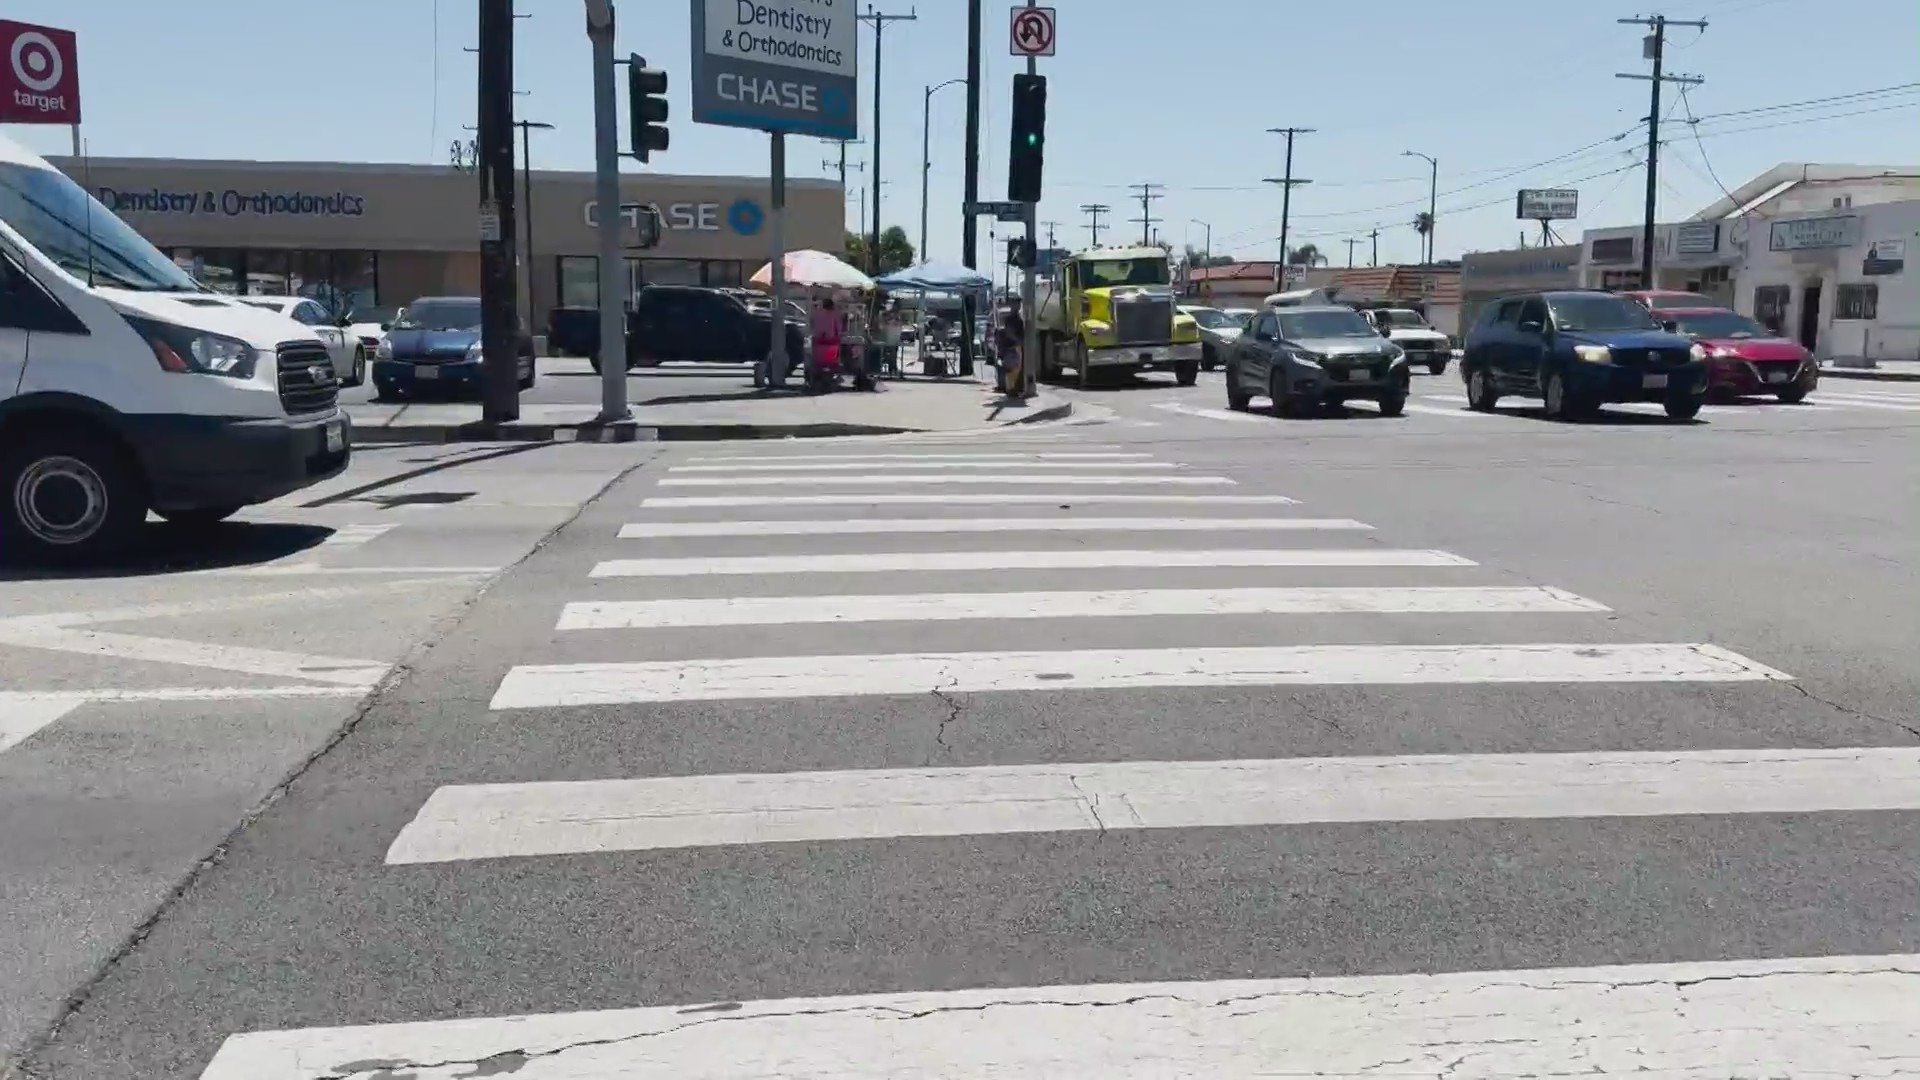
(1578, 350)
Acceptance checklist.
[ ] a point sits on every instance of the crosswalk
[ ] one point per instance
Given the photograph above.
(813, 580)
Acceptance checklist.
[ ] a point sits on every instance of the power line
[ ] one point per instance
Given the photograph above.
(1657, 43)
(1093, 211)
(1146, 218)
(1693, 125)
(1884, 91)
(1287, 182)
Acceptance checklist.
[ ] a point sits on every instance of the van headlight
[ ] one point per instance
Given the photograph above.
(187, 351)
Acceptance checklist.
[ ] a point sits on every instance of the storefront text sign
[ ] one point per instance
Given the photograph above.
(39, 75)
(232, 202)
(1811, 233)
(1697, 238)
(777, 65)
(742, 216)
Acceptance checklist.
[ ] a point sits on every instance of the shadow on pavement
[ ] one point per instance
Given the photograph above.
(171, 549)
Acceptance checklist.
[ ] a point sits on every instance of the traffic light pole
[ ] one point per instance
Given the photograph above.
(606, 194)
(499, 306)
(1029, 358)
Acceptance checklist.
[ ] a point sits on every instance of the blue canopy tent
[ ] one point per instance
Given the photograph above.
(936, 277)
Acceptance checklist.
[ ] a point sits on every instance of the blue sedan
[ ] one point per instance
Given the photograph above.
(433, 347)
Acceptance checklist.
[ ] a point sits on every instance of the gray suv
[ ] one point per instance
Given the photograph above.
(1306, 358)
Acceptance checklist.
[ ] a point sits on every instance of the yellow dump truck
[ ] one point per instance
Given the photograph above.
(1110, 312)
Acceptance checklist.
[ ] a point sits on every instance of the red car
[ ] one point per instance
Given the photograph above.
(1744, 357)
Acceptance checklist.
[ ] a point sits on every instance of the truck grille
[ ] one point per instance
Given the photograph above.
(307, 382)
(1145, 320)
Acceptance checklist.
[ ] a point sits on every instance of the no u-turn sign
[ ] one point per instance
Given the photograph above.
(1031, 31)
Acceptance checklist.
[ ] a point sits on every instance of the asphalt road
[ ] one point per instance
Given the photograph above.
(1351, 700)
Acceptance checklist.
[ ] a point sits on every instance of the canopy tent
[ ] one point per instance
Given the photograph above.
(809, 269)
(936, 276)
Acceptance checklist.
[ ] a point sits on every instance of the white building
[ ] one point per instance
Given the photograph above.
(1838, 282)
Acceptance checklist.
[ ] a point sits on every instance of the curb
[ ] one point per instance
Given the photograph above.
(517, 432)
(1869, 374)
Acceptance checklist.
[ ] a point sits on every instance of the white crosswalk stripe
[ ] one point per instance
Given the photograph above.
(692, 600)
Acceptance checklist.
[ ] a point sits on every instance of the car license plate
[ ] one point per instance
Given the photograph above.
(1778, 376)
(1654, 382)
(336, 437)
(425, 371)
(1358, 375)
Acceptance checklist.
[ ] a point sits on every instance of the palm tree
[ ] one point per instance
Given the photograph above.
(1306, 255)
(1423, 224)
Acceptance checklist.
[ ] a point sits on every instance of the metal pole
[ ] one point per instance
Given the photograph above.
(777, 358)
(1433, 195)
(526, 196)
(606, 194)
(1029, 385)
(969, 224)
(499, 308)
(873, 246)
(1653, 154)
(75, 130)
(926, 161)
(1286, 210)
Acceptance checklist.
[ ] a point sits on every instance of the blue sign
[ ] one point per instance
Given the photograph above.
(745, 217)
(233, 202)
(777, 65)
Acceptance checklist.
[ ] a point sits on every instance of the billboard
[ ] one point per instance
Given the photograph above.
(789, 66)
(39, 76)
(1547, 204)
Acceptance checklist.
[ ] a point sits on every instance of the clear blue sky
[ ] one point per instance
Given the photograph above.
(1174, 94)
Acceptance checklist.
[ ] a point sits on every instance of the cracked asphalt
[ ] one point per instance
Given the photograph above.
(1793, 547)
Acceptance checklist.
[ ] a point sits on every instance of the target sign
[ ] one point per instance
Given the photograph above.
(39, 75)
(1032, 31)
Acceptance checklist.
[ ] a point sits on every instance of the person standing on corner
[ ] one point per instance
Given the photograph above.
(1008, 339)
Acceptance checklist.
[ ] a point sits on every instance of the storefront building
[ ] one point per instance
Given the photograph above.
(1838, 282)
(1486, 276)
(363, 236)
(1691, 256)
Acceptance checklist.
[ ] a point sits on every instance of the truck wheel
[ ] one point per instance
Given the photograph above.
(69, 497)
(1187, 372)
(1081, 365)
(1237, 397)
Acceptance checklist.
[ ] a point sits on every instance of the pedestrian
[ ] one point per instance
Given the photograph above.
(826, 335)
(1009, 342)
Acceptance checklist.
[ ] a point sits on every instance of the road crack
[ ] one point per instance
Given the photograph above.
(955, 706)
(1860, 714)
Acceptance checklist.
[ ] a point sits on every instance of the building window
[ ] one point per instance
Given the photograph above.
(267, 273)
(724, 274)
(1770, 306)
(670, 271)
(218, 269)
(1857, 302)
(579, 281)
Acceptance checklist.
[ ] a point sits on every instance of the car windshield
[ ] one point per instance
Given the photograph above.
(1681, 300)
(1599, 312)
(71, 228)
(1242, 317)
(440, 315)
(1211, 318)
(1401, 317)
(1719, 324)
(1102, 272)
(1307, 325)
(375, 315)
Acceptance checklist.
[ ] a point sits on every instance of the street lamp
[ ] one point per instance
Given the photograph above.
(1207, 252)
(1433, 182)
(526, 199)
(926, 148)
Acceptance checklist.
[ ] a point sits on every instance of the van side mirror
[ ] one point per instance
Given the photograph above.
(1669, 325)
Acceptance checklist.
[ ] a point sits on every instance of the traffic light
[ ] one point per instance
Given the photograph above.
(1020, 253)
(1029, 127)
(646, 106)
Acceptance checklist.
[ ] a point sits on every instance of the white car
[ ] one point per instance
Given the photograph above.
(1410, 330)
(369, 326)
(348, 355)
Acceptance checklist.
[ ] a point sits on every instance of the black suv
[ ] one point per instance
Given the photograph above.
(686, 322)
(1307, 357)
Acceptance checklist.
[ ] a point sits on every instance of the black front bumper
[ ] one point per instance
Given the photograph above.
(204, 461)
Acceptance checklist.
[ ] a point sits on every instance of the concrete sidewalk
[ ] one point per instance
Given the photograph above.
(1883, 370)
(745, 413)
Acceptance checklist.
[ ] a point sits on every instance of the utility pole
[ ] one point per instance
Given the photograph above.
(1093, 211)
(1206, 252)
(842, 164)
(1146, 218)
(1051, 225)
(1287, 182)
(879, 21)
(1351, 242)
(1375, 237)
(1654, 49)
(498, 289)
(606, 194)
(970, 224)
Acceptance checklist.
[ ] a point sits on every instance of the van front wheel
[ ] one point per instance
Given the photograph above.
(68, 497)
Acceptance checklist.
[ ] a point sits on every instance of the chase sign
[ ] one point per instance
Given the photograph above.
(789, 66)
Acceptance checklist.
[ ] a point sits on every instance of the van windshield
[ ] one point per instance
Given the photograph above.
(69, 227)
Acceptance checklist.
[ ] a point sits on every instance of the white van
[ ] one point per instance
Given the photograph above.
(127, 387)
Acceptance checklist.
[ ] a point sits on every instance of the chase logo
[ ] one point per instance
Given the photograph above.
(745, 217)
(834, 101)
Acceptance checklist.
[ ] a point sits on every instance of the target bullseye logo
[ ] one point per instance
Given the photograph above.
(39, 75)
(36, 62)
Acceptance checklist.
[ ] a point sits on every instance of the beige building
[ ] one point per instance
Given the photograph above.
(359, 236)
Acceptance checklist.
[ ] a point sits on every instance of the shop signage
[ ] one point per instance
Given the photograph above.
(1613, 249)
(233, 202)
(1697, 238)
(787, 66)
(742, 216)
(1885, 258)
(1809, 234)
(39, 75)
(1547, 204)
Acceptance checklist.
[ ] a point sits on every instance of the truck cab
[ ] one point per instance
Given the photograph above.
(1111, 312)
(126, 387)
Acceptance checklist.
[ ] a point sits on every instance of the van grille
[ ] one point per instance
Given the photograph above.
(307, 381)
